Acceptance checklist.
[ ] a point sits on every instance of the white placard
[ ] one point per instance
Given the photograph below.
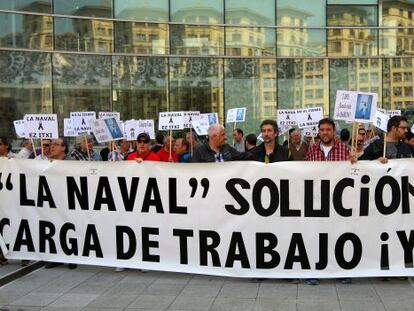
(355, 106)
(19, 128)
(131, 129)
(106, 130)
(309, 117)
(211, 118)
(381, 120)
(68, 130)
(200, 126)
(236, 115)
(80, 121)
(109, 114)
(190, 116)
(39, 126)
(172, 120)
(392, 113)
(311, 132)
(286, 117)
(283, 129)
(345, 105)
(146, 126)
(412, 129)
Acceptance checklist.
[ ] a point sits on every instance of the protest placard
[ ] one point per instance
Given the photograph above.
(381, 120)
(236, 115)
(311, 132)
(283, 129)
(109, 114)
(19, 128)
(68, 130)
(38, 126)
(286, 117)
(172, 120)
(146, 126)
(200, 126)
(80, 121)
(190, 116)
(211, 118)
(106, 130)
(309, 117)
(345, 105)
(131, 129)
(354, 106)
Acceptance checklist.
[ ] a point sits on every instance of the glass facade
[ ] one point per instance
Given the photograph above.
(141, 57)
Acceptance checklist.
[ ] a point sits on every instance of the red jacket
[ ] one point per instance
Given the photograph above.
(149, 156)
(164, 155)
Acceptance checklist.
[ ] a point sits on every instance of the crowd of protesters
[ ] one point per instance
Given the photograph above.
(366, 144)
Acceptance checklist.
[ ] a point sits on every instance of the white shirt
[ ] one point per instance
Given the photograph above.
(326, 150)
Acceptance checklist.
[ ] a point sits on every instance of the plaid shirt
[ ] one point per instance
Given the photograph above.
(339, 152)
(78, 155)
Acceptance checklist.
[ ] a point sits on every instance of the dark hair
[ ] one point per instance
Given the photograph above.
(65, 144)
(272, 123)
(239, 131)
(251, 139)
(326, 121)
(395, 121)
(159, 138)
(345, 135)
(5, 141)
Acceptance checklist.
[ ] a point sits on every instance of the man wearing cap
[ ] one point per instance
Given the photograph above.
(143, 151)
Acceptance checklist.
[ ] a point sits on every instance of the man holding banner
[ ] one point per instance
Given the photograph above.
(143, 151)
(395, 148)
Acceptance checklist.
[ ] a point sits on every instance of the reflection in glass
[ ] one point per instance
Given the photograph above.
(301, 13)
(303, 83)
(140, 86)
(254, 41)
(141, 38)
(398, 84)
(86, 35)
(301, 42)
(144, 10)
(247, 12)
(26, 31)
(355, 75)
(196, 84)
(353, 1)
(25, 87)
(348, 15)
(197, 40)
(251, 83)
(42, 6)
(81, 83)
(94, 8)
(197, 12)
(352, 42)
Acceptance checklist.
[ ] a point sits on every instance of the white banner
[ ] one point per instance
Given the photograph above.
(80, 121)
(109, 114)
(244, 219)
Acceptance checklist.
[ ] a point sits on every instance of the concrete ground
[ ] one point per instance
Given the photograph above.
(100, 288)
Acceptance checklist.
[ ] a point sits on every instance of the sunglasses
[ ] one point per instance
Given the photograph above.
(144, 141)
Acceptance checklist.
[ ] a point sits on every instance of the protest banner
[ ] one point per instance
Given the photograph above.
(109, 114)
(243, 219)
(68, 130)
(211, 118)
(309, 117)
(286, 117)
(80, 121)
(19, 128)
(106, 130)
(39, 126)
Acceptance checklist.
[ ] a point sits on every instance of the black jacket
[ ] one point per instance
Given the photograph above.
(204, 153)
(279, 153)
(376, 150)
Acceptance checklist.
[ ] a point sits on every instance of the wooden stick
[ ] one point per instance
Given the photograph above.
(385, 146)
(191, 140)
(87, 147)
(169, 158)
(353, 137)
(41, 148)
(234, 128)
(33, 146)
(313, 139)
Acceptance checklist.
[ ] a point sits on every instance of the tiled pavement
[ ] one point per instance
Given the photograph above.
(97, 288)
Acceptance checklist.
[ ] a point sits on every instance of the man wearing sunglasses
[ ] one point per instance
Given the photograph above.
(143, 151)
